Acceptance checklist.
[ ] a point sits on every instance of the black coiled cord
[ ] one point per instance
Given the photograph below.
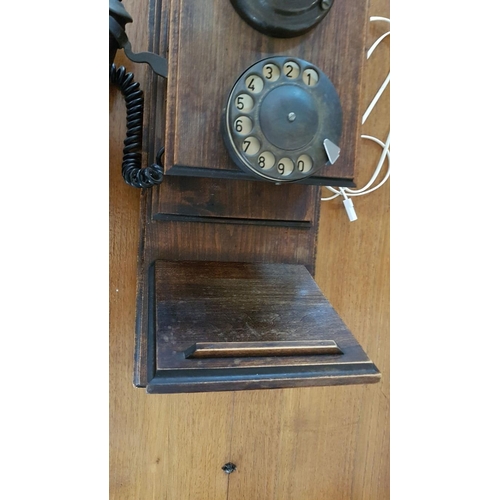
(132, 172)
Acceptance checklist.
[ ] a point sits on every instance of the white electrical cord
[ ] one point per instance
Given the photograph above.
(365, 190)
(346, 193)
(376, 98)
(388, 78)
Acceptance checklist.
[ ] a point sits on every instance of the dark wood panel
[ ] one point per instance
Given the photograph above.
(239, 302)
(234, 243)
(244, 305)
(176, 240)
(236, 200)
(166, 234)
(210, 46)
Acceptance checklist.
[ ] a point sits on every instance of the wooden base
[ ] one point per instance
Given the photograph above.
(216, 326)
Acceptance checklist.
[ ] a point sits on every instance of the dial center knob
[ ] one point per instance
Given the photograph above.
(288, 117)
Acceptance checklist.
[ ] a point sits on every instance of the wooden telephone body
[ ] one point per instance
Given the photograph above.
(226, 298)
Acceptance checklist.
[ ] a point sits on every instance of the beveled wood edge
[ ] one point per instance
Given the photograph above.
(230, 380)
(232, 220)
(171, 90)
(202, 350)
(144, 355)
(238, 174)
(157, 35)
(360, 81)
(160, 27)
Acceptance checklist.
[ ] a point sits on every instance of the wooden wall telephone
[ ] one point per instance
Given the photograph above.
(259, 109)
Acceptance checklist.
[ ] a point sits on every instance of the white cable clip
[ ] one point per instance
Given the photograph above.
(349, 208)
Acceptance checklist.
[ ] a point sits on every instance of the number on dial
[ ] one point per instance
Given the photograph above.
(285, 166)
(266, 160)
(243, 125)
(271, 72)
(254, 84)
(251, 146)
(310, 77)
(244, 102)
(304, 164)
(291, 70)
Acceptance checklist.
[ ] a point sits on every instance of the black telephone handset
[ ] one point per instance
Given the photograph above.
(132, 170)
(283, 118)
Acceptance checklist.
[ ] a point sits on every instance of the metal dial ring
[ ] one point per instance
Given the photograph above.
(277, 116)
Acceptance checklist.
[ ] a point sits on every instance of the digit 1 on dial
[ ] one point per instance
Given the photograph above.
(310, 77)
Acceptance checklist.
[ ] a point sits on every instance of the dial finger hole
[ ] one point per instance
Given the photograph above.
(243, 125)
(285, 166)
(251, 146)
(271, 72)
(243, 102)
(266, 160)
(254, 84)
(310, 77)
(291, 70)
(304, 164)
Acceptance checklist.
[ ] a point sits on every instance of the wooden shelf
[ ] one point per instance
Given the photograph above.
(216, 326)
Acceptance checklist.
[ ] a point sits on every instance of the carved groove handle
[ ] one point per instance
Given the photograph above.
(260, 349)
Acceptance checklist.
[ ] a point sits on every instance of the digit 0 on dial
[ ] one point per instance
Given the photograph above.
(277, 116)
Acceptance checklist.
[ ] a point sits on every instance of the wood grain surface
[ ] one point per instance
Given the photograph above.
(211, 46)
(256, 306)
(306, 443)
(243, 200)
